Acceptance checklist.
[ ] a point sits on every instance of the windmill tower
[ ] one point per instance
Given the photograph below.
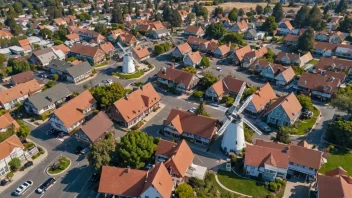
(233, 139)
(128, 63)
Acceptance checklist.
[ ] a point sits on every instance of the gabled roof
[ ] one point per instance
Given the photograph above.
(194, 29)
(72, 111)
(59, 65)
(79, 69)
(84, 50)
(4, 33)
(62, 47)
(290, 56)
(184, 48)
(263, 96)
(242, 24)
(291, 38)
(325, 46)
(258, 156)
(6, 120)
(107, 47)
(242, 51)
(289, 103)
(141, 52)
(305, 157)
(72, 36)
(193, 40)
(19, 90)
(324, 83)
(8, 145)
(97, 126)
(137, 102)
(334, 186)
(180, 161)
(194, 124)
(195, 56)
(333, 63)
(176, 75)
(22, 77)
(228, 84)
(224, 49)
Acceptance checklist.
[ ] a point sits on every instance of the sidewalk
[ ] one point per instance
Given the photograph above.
(19, 174)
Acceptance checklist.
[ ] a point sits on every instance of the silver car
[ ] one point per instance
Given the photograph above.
(21, 189)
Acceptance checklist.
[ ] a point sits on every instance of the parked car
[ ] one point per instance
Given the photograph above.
(218, 68)
(192, 110)
(4, 182)
(84, 151)
(26, 165)
(46, 185)
(263, 126)
(78, 150)
(22, 188)
(107, 82)
(307, 114)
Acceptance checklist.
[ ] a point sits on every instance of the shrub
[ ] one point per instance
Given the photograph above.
(35, 156)
(95, 111)
(44, 116)
(10, 175)
(198, 94)
(331, 147)
(15, 164)
(28, 145)
(273, 186)
(41, 150)
(156, 140)
(32, 119)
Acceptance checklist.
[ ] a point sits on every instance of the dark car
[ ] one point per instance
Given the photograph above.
(26, 165)
(78, 150)
(46, 185)
(4, 182)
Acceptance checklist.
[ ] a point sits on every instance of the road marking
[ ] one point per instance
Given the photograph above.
(74, 180)
(51, 162)
(84, 185)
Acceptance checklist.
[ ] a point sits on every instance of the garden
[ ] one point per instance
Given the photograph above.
(59, 166)
(337, 157)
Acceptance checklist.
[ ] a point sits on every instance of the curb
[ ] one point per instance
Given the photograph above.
(314, 125)
(47, 168)
(225, 188)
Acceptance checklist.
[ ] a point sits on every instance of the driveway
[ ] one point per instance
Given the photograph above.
(297, 188)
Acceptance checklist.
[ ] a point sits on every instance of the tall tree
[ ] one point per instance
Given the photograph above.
(136, 150)
(129, 6)
(241, 12)
(233, 14)
(215, 30)
(302, 16)
(18, 7)
(100, 153)
(166, 12)
(341, 7)
(259, 9)
(208, 80)
(306, 41)
(267, 9)
(315, 19)
(218, 10)
(278, 12)
(184, 190)
(306, 102)
(283, 135)
(270, 25)
(116, 14)
(201, 110)
(346, 25)
(175, 18)
(343, 99)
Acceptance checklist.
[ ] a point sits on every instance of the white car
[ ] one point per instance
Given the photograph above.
(192, 110)
(218, 68)
(108, 82)
(21, 189)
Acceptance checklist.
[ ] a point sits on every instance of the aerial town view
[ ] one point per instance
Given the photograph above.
(176, 99)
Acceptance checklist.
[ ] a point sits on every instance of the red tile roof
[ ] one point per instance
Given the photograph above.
(257, 156)
(289, 103)
(8, 145)
(176, 75)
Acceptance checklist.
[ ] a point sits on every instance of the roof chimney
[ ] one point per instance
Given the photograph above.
(163, 70)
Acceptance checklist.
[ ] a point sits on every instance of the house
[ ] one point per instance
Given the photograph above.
(195, 42)
(237, 55)
(261, 99)
(293, 59)
(324, 48)
(291, 39)
(182, 81)
(334, 64)
(335, 183)
(11, 148)
(7, 122)
(5, 34)
(222, 51)
(344, 51)
(134, 183)
(78, 72)
(227, 86)
(338, 37)
(107, 48)
(127, 39)
(178, 158)
(181, 50)
(140, 54)
(89, 35)
(114, 34)
(93, 55)
(284, 28)
(60, 21)
(250, 57)
(322, 36)
(251, 35)
(48, 100)
(71, 115)
(21, 78)
(284, 111)
(194, 31)
(62, 47)
(158, 34)
(24, 43)
(322, 85)
(73, 37)
(240, 26)
(10, 97)
(272, 160)
(94, 129)
(209, 46)
(42, 57)
(58, 67)
(278, 73)
(192, 59)
(199, 129)
(133, 108)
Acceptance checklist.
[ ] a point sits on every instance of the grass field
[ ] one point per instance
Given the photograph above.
(129, 76)
(245, 186)
(307, 124)
(338, 157)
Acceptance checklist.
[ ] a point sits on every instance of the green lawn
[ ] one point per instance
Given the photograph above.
(102, 64)
(313, 62)
(129, 76)
(64, 164)
(241, 185)
(306, 124)
(338, 157)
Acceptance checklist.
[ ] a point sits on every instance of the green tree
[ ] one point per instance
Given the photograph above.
(175, 18)
(201, 110)
(15, 164)
(18, 66)
(346, 25)
(12, 13)
(17, 6)
(267, 9)
(208, 80)
(190, 69)
(136, 150)
(234, 37)
(259, 9)
(24, 131)
(315, 19)
(341, 7)
(159, 49)
(233, 14)
(306, 41)
(46, 33)
(270, 25)
(215, 30)
(241, 12)
(343, 99)
(3, 59)
(101, 28)
(205, 62)
(50, 84)
(228, 100)
(278, 12)
(302, 16)
(149, 4)
(116, 14)
(283, 135)
(184, 191)
(56, 77)
(340, 132)
(269, 55)
(305, 102)
(198, 94)
(107, 95)
(100, 153)
(218, 10)
(249, 91)
(58, 42)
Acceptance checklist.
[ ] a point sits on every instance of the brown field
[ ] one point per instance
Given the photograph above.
(244, 5)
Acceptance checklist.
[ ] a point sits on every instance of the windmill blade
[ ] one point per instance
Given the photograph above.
(123, 49)
(239, 96)
(250, 125)
(225, 125)
(244, 105)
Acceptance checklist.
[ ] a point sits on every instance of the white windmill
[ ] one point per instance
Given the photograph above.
(128, 63)
(233, 139)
